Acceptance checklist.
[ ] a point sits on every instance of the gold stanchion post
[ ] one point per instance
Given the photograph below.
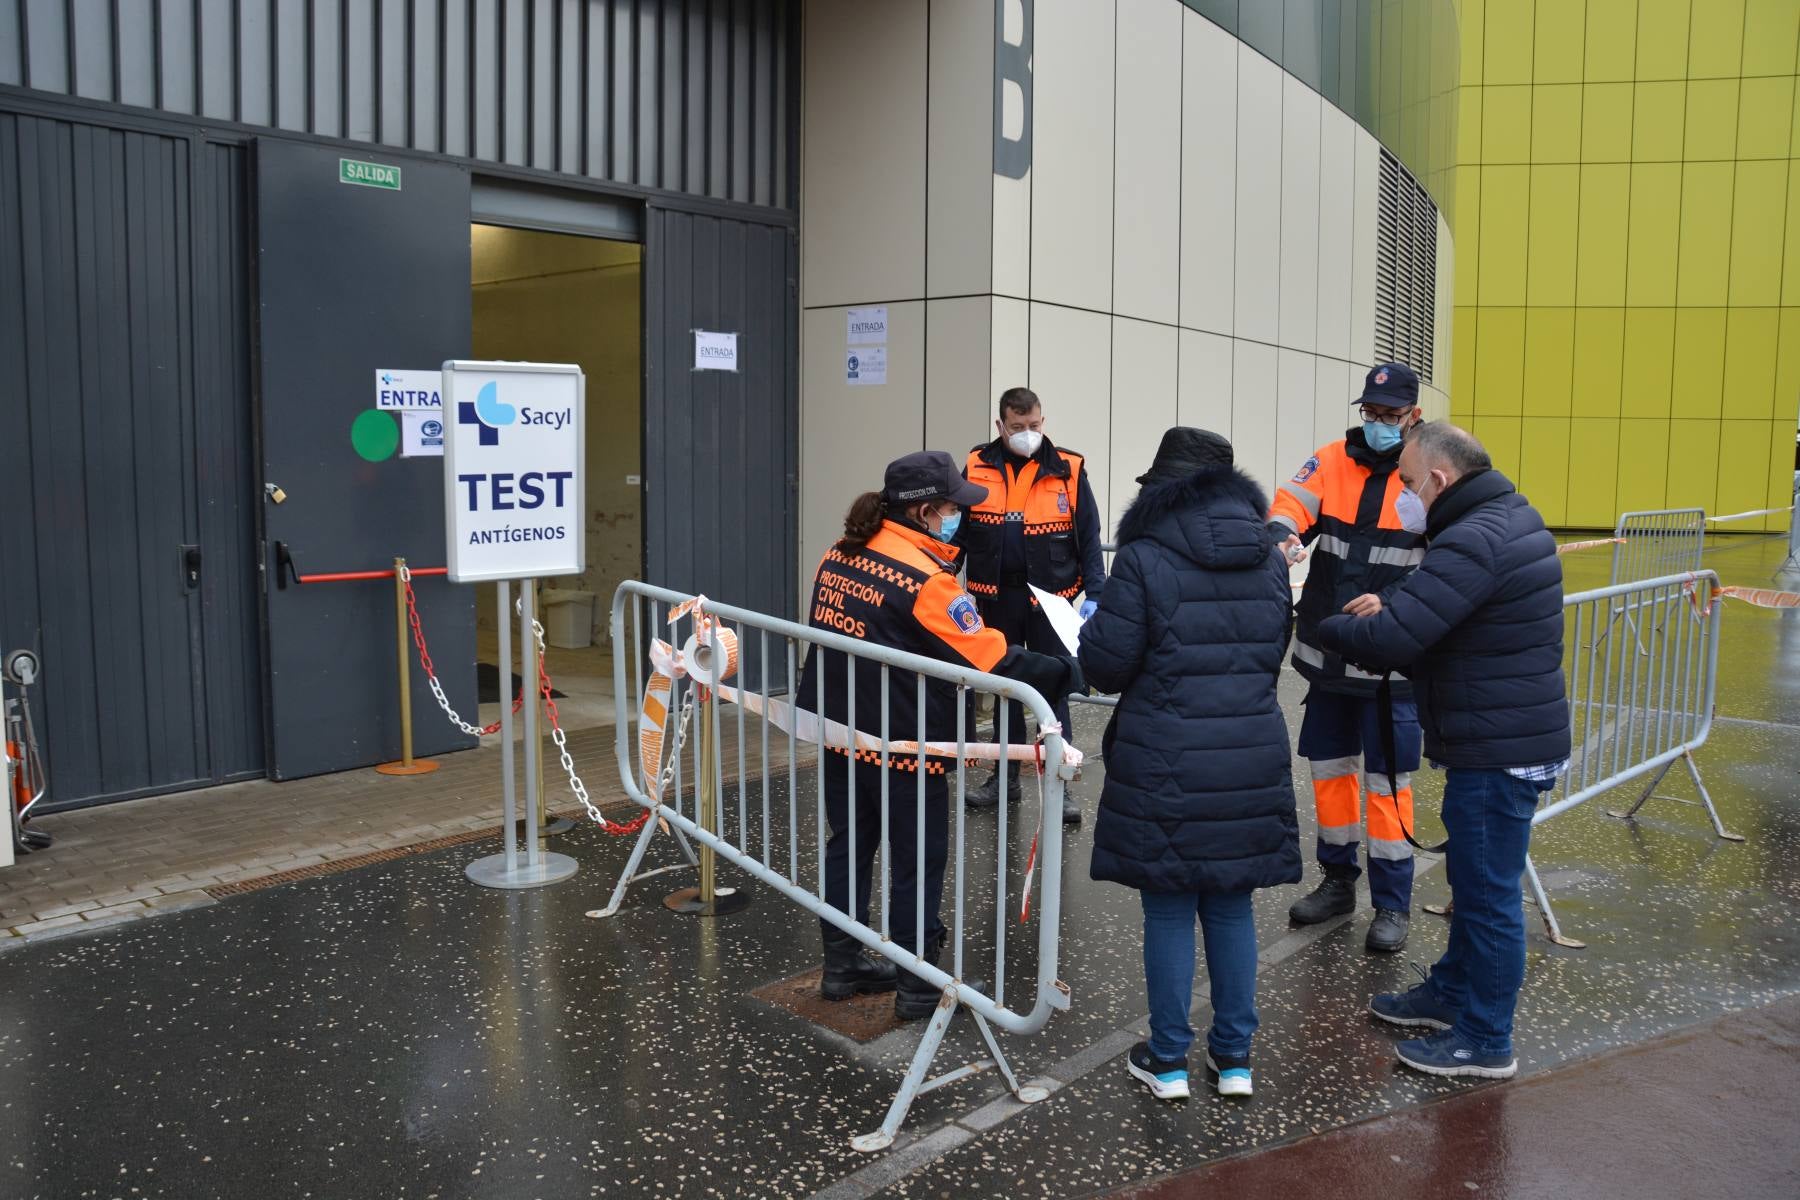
(403, 664)
(707, 900)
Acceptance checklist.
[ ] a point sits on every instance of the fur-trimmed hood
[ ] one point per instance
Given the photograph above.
(1216, 518)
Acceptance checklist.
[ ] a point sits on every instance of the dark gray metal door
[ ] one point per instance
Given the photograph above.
(352, 278)
(127, 551)
(720, 448)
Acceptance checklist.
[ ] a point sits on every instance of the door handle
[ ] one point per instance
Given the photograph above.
(190, 567)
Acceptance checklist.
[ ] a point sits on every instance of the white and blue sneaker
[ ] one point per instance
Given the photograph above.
(1166, 1079)
(1453, 1054)
(1233, 1073)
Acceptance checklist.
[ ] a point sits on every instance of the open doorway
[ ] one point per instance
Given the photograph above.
(556, 297)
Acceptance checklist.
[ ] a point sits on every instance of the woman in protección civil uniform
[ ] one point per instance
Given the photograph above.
(891, 581)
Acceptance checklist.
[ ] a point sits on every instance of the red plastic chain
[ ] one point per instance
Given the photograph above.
(418, 632)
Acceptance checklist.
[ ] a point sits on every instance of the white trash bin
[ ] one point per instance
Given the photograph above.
(568, 618)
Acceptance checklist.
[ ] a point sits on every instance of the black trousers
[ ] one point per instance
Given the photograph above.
(1024, 624)
(903, 845)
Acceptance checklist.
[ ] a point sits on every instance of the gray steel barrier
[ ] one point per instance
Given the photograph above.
(1637, 705)
(1658, 543)
(767, 840)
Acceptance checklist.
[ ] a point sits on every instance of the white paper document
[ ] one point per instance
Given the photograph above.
(1063, 618)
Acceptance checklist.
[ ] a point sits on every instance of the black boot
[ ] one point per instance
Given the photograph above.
(1335, 894)
(914, 998)
(1387, 932)
(988, 794)
(849, 971)
(1071, 814)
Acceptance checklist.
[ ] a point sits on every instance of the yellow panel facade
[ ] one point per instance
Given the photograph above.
(1606, 122)
(1628, 234)
(1599, 360)
(1698, 380)
(1662, 38)
(1550, 353)
(1705, 268)
(1751, 337)
(1499, 361)
(1611, 42)
(1550, 261)
(1771, 35)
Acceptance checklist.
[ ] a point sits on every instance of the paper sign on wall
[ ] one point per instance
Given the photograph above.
(398, 391)
(865, 366)
(421, 434)
(715, 351)
(866, 326)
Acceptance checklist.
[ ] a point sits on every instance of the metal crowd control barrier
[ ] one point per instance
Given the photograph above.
(766, 838)
(1637, 706)
(1657, 543)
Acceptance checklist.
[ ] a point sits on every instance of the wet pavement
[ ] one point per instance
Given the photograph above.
(1660, 1119)
(397, 1031)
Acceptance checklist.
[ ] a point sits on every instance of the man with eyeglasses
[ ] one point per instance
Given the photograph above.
(1347, 504)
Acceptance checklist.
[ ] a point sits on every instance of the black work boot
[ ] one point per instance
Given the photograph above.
(914, 998)
(1387, 932)
(1335, 894)
(1071, 808)
(848, 970)
(988, 794)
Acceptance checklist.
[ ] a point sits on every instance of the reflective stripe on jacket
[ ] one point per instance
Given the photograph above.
(1047, 504)
(898, 591)
(1342, 503)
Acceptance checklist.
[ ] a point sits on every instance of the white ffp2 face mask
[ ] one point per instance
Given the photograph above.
(1024, 443)
(1411, 510)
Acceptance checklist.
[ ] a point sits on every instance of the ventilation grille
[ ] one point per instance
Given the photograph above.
(1405, 271)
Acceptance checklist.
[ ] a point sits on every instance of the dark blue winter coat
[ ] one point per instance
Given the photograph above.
(1479, 628)
(1199, 794)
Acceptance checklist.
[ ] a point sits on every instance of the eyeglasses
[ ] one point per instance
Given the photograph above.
(1381, 417)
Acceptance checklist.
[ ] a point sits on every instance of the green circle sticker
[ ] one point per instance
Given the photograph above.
(375, 434)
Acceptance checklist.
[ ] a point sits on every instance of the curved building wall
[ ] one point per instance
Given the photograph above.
(1122, 204)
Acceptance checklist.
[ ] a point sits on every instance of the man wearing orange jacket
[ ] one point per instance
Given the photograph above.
(1346, 502)
(1039, 527)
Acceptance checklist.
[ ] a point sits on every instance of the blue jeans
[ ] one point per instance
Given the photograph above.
(1230, 933)
(1488, 816)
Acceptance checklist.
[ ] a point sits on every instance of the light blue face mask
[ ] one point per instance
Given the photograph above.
(1382, 438)
(947, 531)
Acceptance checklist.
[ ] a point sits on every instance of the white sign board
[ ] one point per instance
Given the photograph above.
(421, 433)
(865, 366)
(407, 390)
(715, 351)
(514, 470)
(866, 326)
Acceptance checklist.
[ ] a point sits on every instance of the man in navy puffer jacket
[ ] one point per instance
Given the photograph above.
(1479, 630)
(1198, 806)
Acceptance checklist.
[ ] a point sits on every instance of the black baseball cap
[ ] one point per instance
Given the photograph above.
(1393, 385)
(929, 475)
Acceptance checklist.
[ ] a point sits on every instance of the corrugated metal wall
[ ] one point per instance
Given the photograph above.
(693, 96)
(721, 448)
(122, 413)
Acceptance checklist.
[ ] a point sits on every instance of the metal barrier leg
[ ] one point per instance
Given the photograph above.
(1542, 900)
(1027, 1094)
(1705, 801)
(914, 1085)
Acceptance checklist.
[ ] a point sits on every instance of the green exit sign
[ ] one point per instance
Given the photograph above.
(368, 174)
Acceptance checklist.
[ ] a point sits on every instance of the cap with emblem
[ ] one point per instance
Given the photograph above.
(1394, 385)
(928, 475)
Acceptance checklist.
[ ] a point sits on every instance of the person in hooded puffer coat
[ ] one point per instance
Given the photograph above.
(1198, 806)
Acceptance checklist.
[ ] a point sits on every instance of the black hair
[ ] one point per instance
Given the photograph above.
(1019, 400)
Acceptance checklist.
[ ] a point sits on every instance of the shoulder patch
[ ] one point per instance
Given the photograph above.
(1307, 470)
(963, 611)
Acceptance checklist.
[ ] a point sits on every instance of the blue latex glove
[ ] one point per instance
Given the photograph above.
(1088, 608)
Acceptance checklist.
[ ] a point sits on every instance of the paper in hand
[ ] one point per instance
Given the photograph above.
(1063, 618)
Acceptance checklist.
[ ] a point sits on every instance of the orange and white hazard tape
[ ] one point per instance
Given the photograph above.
(711, 657)
(1566, 547)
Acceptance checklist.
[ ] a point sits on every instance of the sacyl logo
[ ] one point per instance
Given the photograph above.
(487, 412)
